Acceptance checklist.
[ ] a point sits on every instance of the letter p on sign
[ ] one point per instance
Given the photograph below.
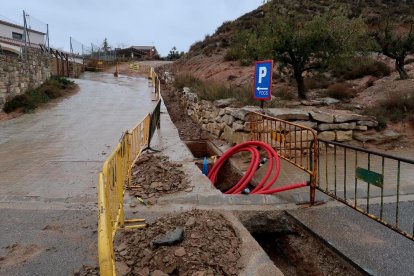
(262, 73)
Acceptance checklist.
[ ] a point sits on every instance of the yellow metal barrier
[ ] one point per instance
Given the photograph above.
(112, 182)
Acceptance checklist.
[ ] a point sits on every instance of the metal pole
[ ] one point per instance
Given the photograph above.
(24, 34)
(47, 35)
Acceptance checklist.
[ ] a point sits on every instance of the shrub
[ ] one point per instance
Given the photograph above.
(359, 67)
(340, 91)
(315, 84)
(52, 88)
(285, 93)
(185, 80)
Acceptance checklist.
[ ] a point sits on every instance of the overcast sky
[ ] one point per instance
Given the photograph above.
(162, 23)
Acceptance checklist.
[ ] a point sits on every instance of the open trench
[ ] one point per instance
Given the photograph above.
(294, 249)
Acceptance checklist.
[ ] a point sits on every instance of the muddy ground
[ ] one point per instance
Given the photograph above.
(210, 247)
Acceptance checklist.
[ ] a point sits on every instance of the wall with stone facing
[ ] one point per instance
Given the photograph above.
(232, 124)
(20, 75)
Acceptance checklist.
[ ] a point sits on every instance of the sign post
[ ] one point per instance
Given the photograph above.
(263, 81)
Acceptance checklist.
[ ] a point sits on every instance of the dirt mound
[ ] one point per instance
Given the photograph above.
(154, 176)
(210, 247)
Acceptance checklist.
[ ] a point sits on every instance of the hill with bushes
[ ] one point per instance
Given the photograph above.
(349, 50)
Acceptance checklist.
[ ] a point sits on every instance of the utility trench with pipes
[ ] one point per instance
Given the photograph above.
(260, 207)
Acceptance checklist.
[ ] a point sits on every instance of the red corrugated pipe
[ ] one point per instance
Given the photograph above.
(264, 186)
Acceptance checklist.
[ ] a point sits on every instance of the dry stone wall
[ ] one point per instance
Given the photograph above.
(18, 75)
(232, 124)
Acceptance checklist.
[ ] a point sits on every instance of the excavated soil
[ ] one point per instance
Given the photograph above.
(187, 129)
(154, 176)
(210, 247)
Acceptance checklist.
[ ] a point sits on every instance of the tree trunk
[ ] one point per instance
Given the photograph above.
(399, 66)
(301, 84)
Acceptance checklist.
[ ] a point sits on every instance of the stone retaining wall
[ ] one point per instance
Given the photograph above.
(232, 124)
(20, 75)
(17, 75)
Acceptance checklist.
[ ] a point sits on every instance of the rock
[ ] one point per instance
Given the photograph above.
(122, 268)
(190, 222)
(308, 124)
(173, 237)
(158, 273)
(200, 273)
(367, 123)
(152, 201)
(288, 113)
(329, 101)
(363, 128)
(142, 159)
(238, 126)
(189, 189)
(343, 136)
(142, 271)
(243, 113)
(327, 135)
(227, 119)
(376, 137)
(224, 102)
(298, 136)
(229, 110)
(322, 117)
(343, 126)
(340, 118)
(311, 102)
(222, 112)
(156, 185)
(179, 252)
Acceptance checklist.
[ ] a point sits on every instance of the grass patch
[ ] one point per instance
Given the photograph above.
(212, 91)
(396, 107)
(53, 88)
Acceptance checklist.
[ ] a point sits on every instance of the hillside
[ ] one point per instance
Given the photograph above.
(365, 85)
(207, 59)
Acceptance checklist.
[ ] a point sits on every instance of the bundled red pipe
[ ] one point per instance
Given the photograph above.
(264, 186)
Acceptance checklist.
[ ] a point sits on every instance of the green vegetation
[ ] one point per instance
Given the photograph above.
(361, 66)
(340, 91)
(396, 107)
(395, 43)
(212, 91)
(299, 44)
(174, 54)
(53, 88)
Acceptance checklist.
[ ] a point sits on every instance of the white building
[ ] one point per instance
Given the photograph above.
(12, 37)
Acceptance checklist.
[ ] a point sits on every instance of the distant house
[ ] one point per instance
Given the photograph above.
(137, 52)
(12, 37)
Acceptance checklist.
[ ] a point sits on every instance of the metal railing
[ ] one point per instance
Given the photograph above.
(294, 143)
(115, 178)
(369, 182)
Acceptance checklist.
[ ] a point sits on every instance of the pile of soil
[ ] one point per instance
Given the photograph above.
(87, 270)
(210, 247)
(154, 176)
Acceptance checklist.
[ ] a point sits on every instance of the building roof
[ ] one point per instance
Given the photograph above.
(2, 22)
(143, 47)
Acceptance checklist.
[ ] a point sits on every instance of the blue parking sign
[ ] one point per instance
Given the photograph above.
(263, 80)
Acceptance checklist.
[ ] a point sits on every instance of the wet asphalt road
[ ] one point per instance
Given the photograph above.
(49, 161)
